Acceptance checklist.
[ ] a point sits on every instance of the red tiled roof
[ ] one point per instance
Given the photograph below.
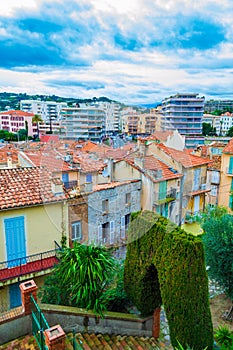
(49, 138)
(112, 184)
(215, 162)
(105, 341)
(186, 159)
(8, 151)
(229, 147)
(158, 135)
(48, 158)
(17, 112)
(86, 163)
(26, 187)
(152, 164)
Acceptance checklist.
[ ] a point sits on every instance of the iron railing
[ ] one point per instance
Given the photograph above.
(32, 263)
(39, 324)
(70, 184)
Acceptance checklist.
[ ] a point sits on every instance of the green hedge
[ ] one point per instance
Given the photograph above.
(165, 265)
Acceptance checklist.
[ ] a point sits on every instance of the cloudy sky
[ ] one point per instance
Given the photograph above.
(132, 51)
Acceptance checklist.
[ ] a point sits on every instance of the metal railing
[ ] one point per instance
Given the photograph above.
(163, 197)
(70, 184)
(39, 324)
(32, 263)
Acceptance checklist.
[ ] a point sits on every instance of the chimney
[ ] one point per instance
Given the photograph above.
(110, 169)
(139, 162)
(9, 163)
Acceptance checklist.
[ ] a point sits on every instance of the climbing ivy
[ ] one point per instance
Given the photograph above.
(165, 265)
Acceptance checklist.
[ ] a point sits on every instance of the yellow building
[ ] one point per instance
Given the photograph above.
(33, 215)
(226, 178)
(193, 185)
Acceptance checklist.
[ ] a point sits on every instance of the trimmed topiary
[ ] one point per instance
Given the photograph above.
(165, 265)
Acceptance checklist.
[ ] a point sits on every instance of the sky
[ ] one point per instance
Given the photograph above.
(132, 51)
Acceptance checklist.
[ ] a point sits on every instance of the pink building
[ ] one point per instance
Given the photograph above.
(15, 120)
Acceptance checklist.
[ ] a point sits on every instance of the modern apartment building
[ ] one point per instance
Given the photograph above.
(184, 112)
(220, 105)
(83, 123)
(48, 110)
(141, 123)
(112, 114)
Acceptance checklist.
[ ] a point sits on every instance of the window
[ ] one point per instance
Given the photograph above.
(105, 206)
(123, 227)
(127, 198)
(127, 221)
(112, 231)
(89, 178)
(105, 232)
(76, 231)
(213, 190)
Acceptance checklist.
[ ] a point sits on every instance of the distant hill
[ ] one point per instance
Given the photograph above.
(10, 100)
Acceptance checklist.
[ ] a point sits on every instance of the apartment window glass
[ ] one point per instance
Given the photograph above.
(89, 178)
(105, 232)
(127, 198)
(76, 231)
(105, 205)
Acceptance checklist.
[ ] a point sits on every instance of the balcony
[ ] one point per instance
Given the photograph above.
(202, 188)
(29, 264)
(164, 197)
(192, 217)
(70, 184)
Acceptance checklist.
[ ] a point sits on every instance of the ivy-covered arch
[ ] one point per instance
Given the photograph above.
(165, 265)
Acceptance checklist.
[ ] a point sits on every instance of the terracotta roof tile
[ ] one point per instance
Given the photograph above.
(25, 187)
(112, 184)
(215, 162)
(229, 147)
(158, 135)
(17, 113)
(111, 342)
(8, 151)
(150, 167)
(48, 158)
(186, 159)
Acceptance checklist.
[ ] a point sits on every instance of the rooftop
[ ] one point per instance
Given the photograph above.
(26, 187)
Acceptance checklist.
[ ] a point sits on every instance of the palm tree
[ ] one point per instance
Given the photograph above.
(37, 119)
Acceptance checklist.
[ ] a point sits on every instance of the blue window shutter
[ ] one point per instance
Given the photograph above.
(231, 165)
(162, 190)
(65, 177)
(15, 295)
(231, 202)
(15, 240)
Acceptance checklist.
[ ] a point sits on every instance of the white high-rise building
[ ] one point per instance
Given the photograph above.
(112, 114)
(48, 110)
(183, 112)
(83, 123)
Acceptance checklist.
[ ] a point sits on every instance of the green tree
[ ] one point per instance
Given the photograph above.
(37, 119)
(83, 275)
(230, 132)
(207, 129)
(22, 133)
(218, 246)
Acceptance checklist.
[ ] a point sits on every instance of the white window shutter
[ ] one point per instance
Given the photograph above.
(112, 229)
